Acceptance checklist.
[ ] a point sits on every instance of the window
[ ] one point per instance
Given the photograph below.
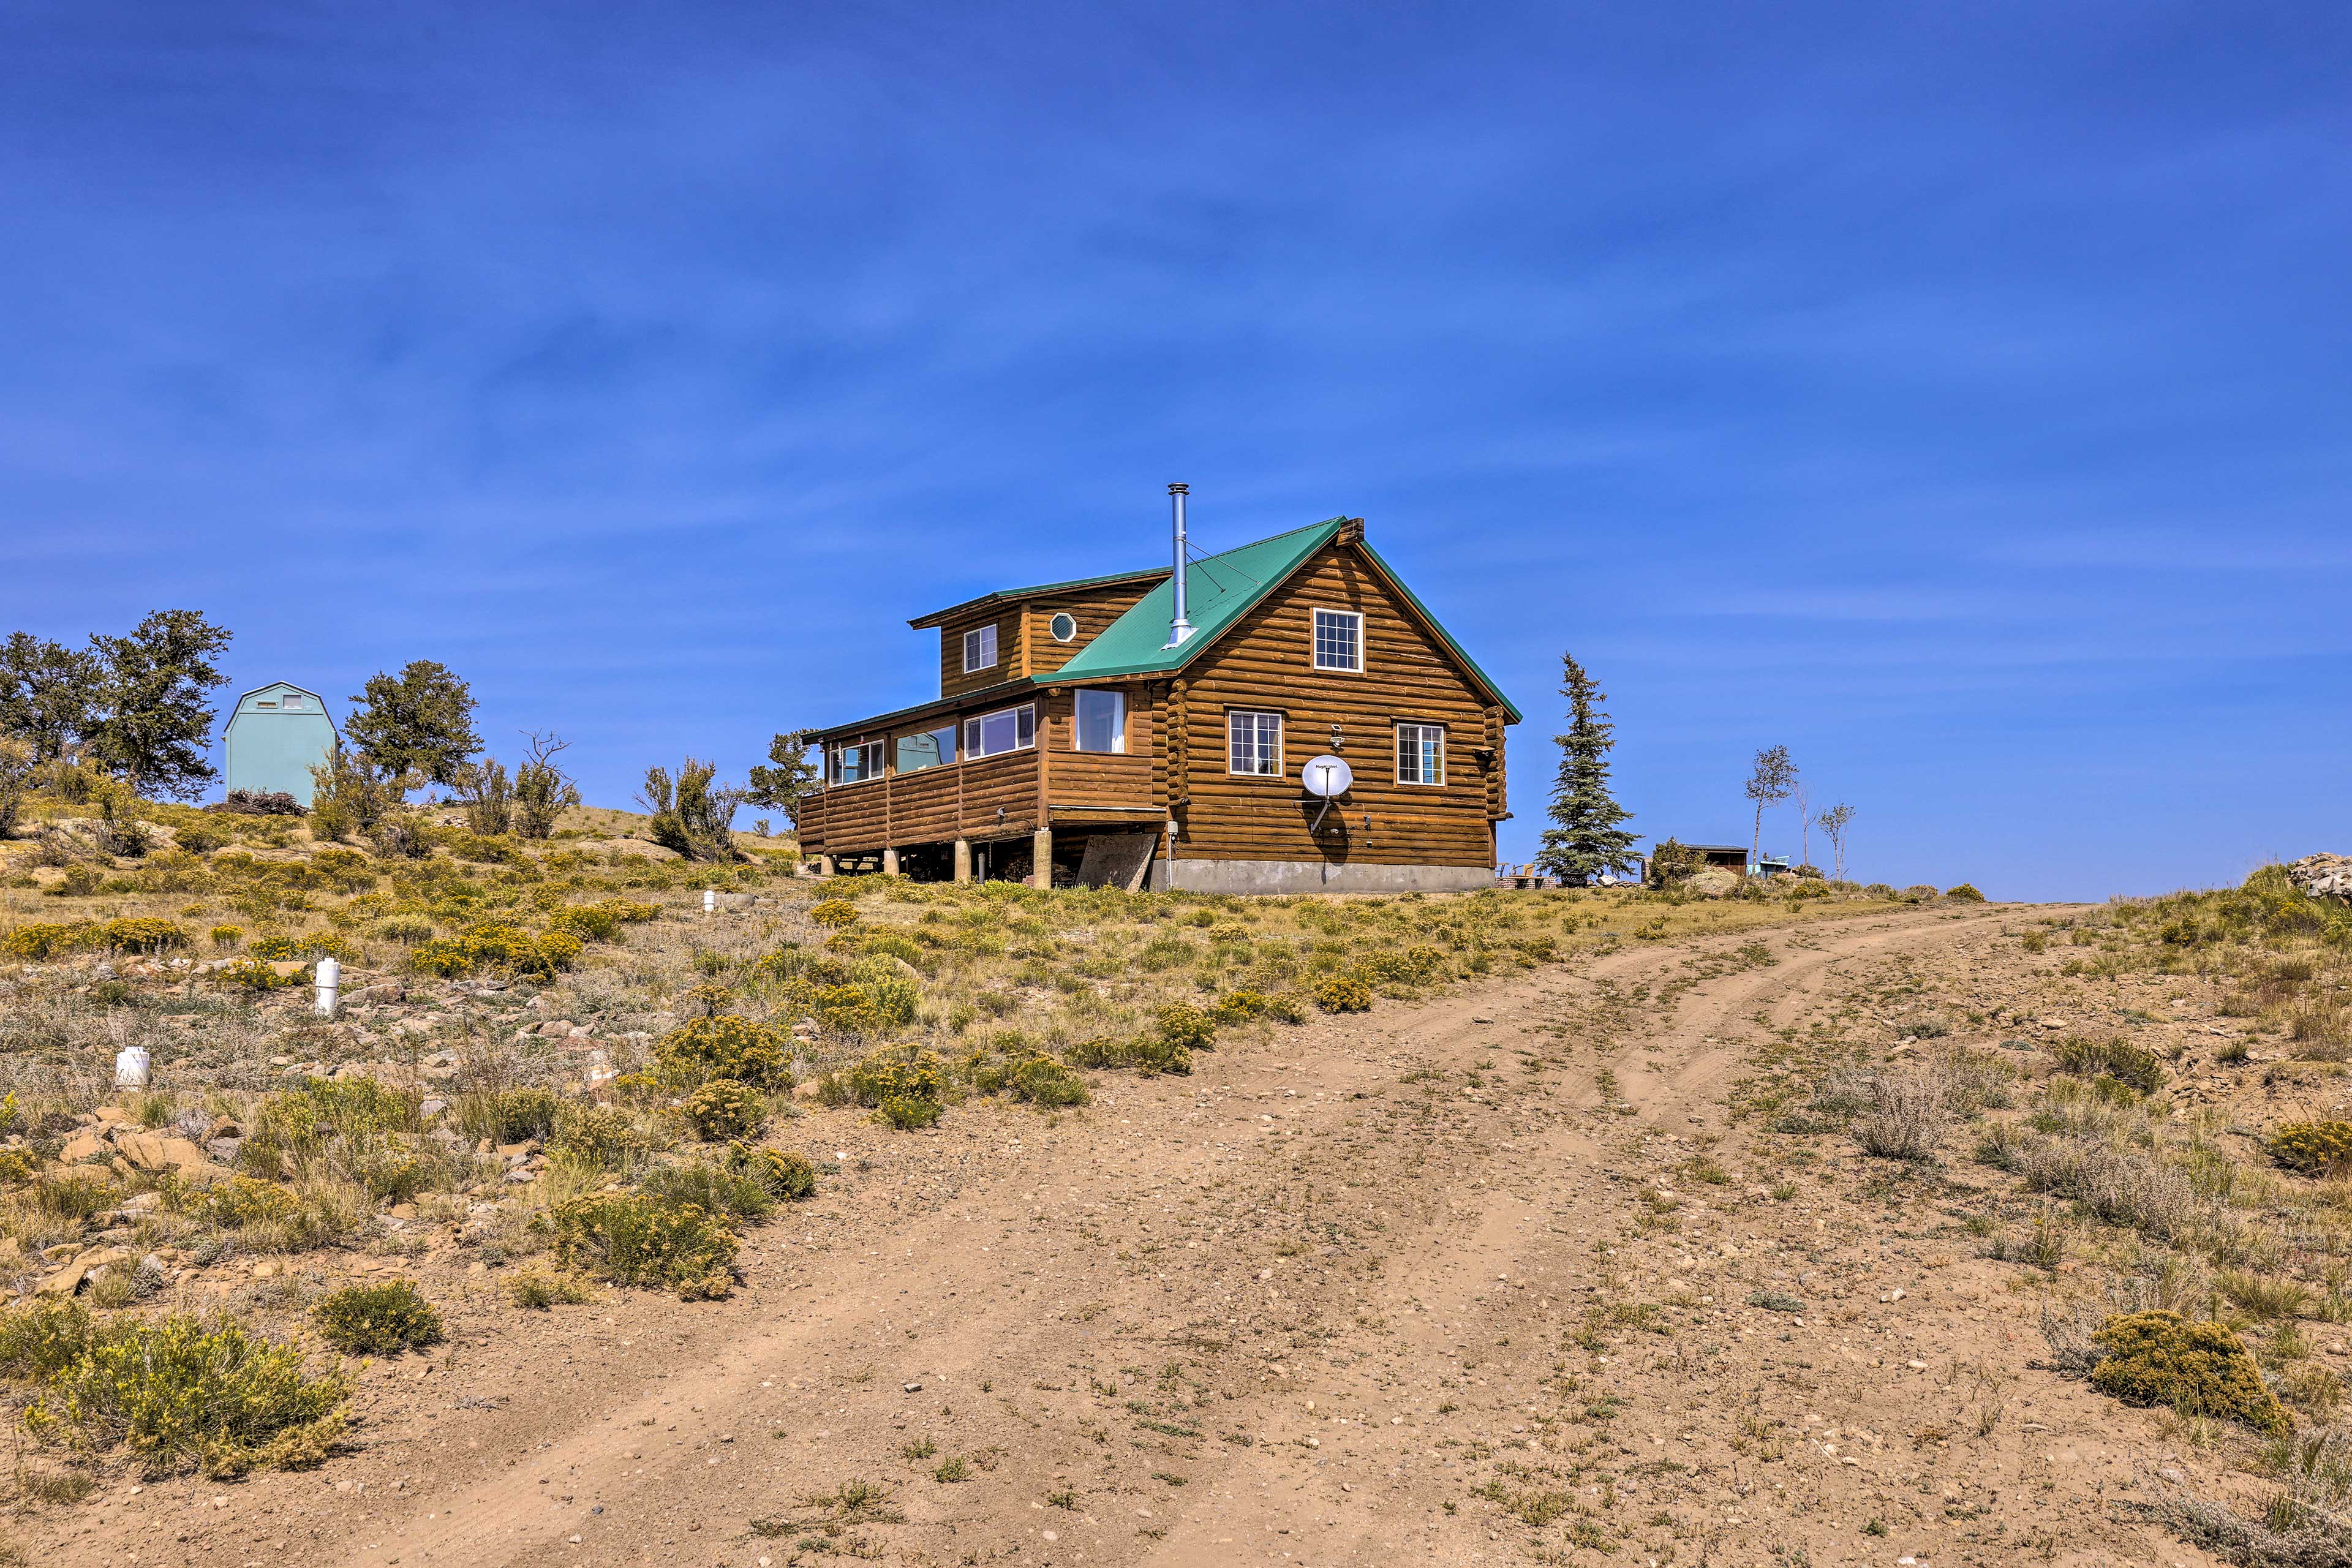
(1254, 743)
(1420, 753)
(927, 749)
(980, 649)
(268, 702)
(1338, 641)
(852, 764)
(1101, 722)
(1006, 729)
(1064, 628)
(289, 705)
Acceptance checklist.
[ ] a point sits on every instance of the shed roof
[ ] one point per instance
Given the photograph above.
(1009, 596)
(239, 706)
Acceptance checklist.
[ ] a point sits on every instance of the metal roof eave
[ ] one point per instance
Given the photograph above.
(1008, 595)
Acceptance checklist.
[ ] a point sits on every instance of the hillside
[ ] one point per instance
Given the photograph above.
(1083, 1226)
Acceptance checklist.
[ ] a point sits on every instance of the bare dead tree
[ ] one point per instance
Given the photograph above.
(1833, 823)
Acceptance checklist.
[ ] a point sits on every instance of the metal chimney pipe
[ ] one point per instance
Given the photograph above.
(1180, 625)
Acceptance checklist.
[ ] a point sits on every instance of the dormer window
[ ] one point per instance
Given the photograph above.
(980, 649)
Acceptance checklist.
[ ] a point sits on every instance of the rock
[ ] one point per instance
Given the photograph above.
(433, 1107)
(106, 1113)
(106, 970)
(68, 1280)
(153, 1152)
(289, 968)
(1715, 882)
(2323, 877)
(80, 1147)
(559, 1025)
(807, 1091)
(223, 1126)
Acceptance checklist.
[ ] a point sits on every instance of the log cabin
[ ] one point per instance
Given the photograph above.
(1283, 717)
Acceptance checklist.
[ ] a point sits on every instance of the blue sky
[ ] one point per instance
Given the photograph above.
(1958, 395)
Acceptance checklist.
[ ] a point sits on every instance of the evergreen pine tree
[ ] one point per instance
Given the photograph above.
(1585, 838)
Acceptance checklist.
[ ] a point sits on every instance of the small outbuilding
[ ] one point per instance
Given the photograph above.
(276, 735)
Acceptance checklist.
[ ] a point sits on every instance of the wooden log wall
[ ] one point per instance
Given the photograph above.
(1092, 610)
(1409, 675)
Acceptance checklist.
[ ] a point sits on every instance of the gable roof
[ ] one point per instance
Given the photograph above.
(1219, 591)
(1010, 595)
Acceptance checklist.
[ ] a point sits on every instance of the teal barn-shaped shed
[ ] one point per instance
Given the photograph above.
(277, 734)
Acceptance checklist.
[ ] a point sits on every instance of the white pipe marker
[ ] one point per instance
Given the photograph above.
(331, 976)
(709, 900)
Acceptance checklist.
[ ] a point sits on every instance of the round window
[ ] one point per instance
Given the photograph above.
(1064, 628)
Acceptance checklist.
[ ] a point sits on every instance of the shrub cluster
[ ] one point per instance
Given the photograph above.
(377, 1319)
(723, 1109)
(2313, 1147)
(42, 940)
(644, 1238)
(2135, 1067)
(723, 1046)
(179, 1393)
(2194, 1368)
(780, 1173)
(492, 945)
(1342, 993)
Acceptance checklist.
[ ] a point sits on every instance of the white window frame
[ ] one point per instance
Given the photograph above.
(1024, 718)
(1257, 737)
(980, 640)
(1314, 640)
(1420, 729)
(952, 729)
(1077, 722)
(833, 755)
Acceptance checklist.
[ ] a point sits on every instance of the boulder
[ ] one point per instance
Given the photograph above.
(1715, 882)
(155, 1152)
(2323, 877)
(80, 1147)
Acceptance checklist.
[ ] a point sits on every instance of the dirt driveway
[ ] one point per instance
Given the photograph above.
(1492, 1279)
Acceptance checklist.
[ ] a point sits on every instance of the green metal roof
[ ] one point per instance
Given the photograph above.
(1220, 590)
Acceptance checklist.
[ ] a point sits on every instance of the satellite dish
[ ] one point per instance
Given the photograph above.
(1327, 777)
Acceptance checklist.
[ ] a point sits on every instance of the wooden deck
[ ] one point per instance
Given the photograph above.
(991, 798)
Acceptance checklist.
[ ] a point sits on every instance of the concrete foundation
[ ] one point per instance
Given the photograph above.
(1320, 877)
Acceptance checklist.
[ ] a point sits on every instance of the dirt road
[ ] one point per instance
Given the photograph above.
(1491, 1278)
